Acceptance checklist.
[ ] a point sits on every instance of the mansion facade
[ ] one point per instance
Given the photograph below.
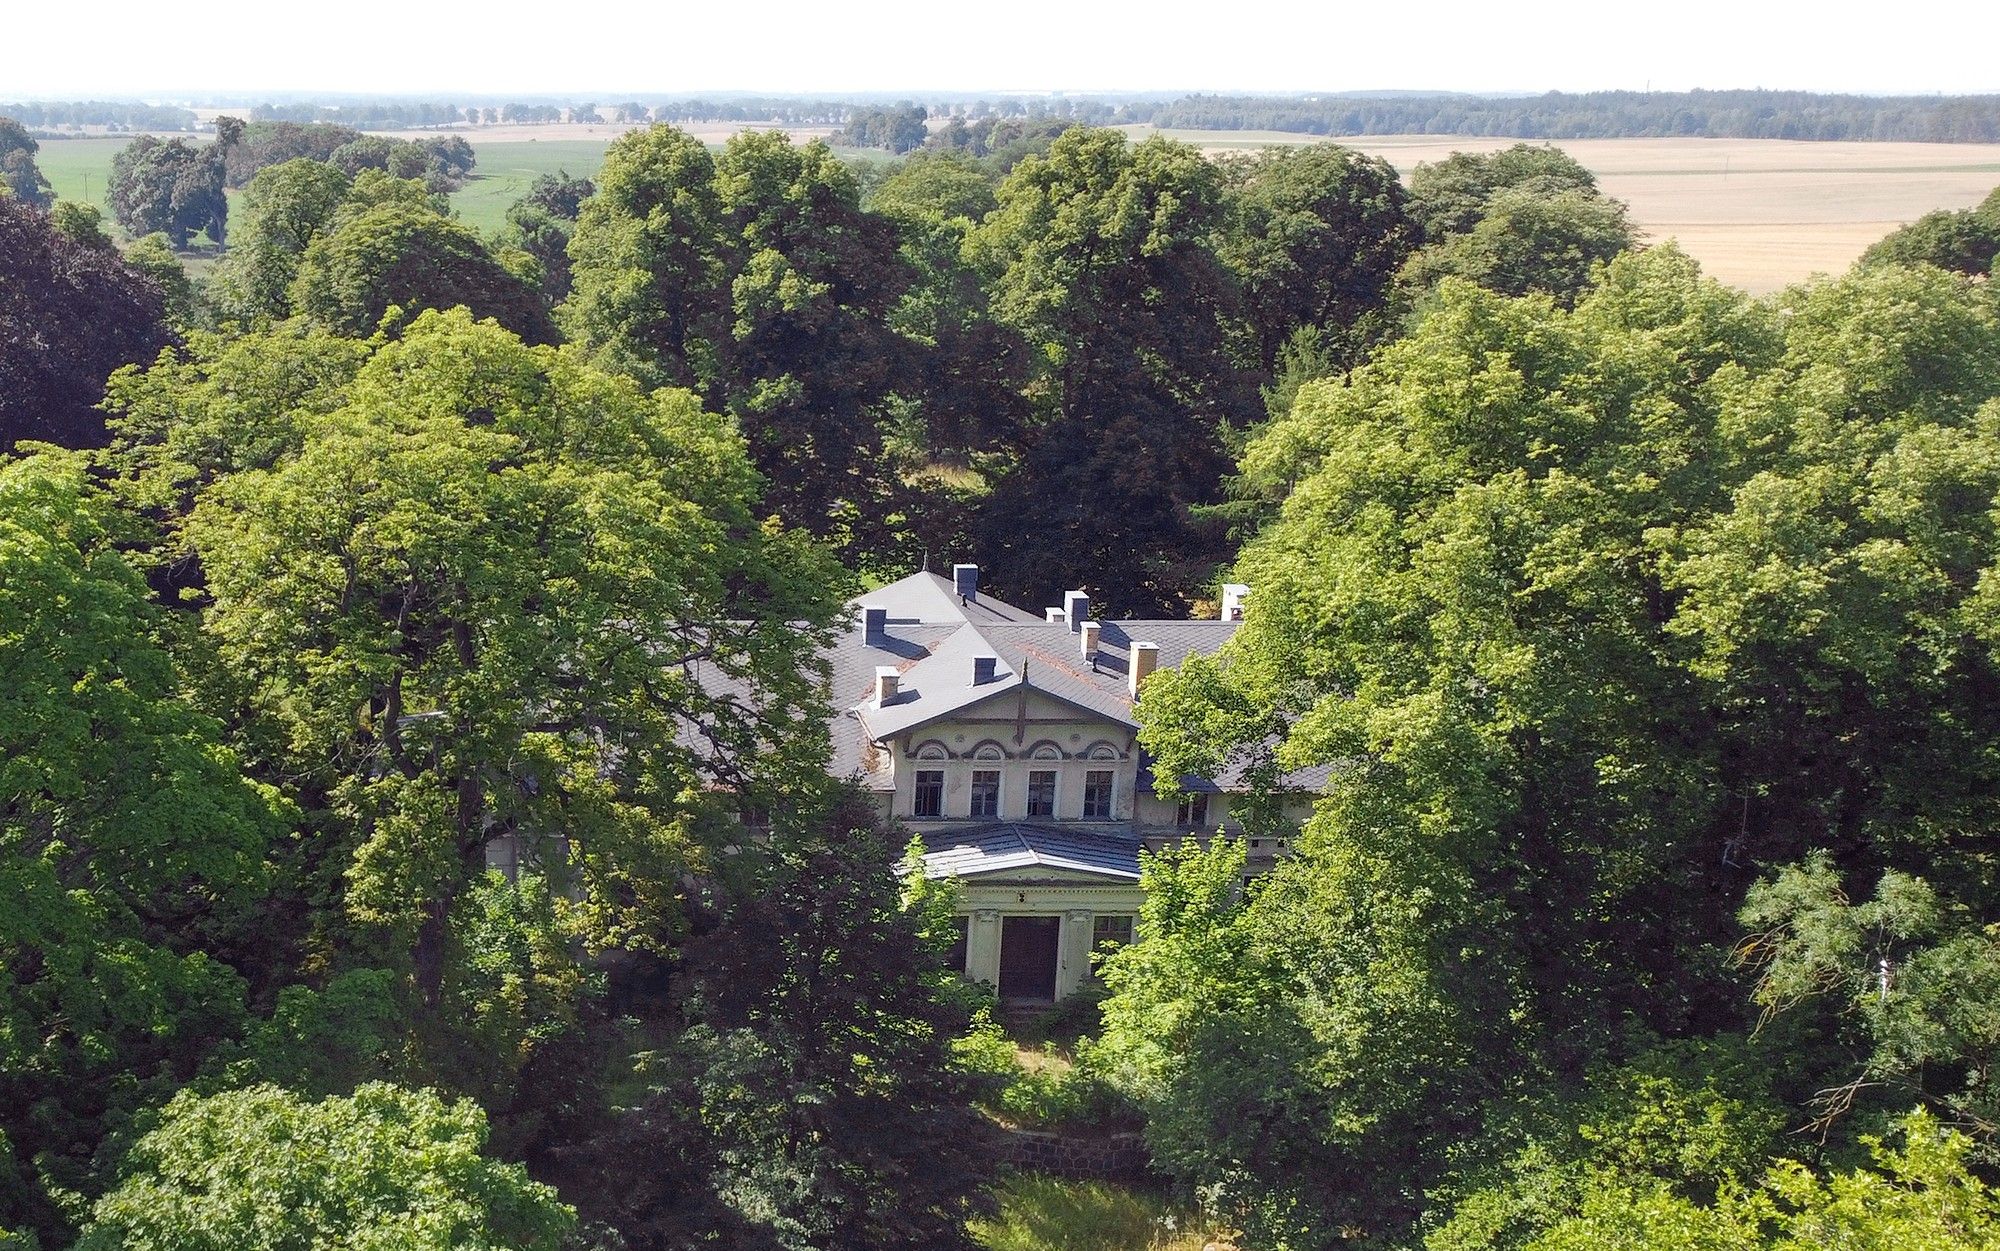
(1006, 740)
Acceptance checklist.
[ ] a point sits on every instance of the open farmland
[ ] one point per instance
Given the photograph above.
(1758, 213)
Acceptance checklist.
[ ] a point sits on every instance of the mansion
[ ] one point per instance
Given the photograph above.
(1006, 740)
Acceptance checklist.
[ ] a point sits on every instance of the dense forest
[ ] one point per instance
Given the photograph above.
(1648, 633)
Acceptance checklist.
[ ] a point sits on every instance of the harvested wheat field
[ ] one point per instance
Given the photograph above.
(1757, 213)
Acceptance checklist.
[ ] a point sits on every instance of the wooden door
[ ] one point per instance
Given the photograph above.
(1028, 957)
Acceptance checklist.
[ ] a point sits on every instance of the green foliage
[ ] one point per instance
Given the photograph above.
(1966, 242)
(1921, 1196)
(811, 1103)
(1039, 1213)
(501, 590)
(1589, 614)
(170, 186)
(1102, 255)
(80, 223)
(20, 177)
(386, 1168)
(286, 207)
(397, 256)
(756, 279)
(132, 851)
(1521, 220)
(1319, 234)
(154, 259)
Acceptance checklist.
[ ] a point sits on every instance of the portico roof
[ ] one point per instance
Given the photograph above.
(975, 850)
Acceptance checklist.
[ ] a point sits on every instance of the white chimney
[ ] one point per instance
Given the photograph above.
(888, 680)
(1233, 595)
(1054, 616)
(874, 621)
(1076, 608)
(965, 580)
(1145, 659)
(983, 668)
(1088, 636)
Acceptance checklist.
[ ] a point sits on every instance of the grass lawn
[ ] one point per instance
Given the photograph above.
(506, 170)
(1049, 1214)
(79, 169)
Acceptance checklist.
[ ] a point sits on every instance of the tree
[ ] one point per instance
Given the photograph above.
(383, 1168)
(1528, 241)
(20, 177)
(490, 631)
(757, 280)
(1102, 255)
(651, 274)
(810, 1101)
(133, 852)
(286, 208)
(414, 259)
(70, 313)
(1965, 242)
(170, 186)
(1520, 220)
(1597, 619)
(1317, 237)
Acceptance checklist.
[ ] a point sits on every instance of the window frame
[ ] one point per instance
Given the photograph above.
(982, 778)
(1105, 783)
(1192, 811)
(929, 784)
(1054, 790)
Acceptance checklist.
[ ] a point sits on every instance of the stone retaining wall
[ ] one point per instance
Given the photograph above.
(1109, 1157)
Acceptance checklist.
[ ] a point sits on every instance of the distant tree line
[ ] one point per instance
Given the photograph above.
(900, 129)
(374, 115)
(1604, 115)
(126, 114)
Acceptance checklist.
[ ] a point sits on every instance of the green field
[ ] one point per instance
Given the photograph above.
(505, 171)
(79, 168)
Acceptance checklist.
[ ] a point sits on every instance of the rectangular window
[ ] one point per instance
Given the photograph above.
(1097, 795)
(1193, 812)
(1042, 793)
(985, 792)
(930, 793)
(1110, 933)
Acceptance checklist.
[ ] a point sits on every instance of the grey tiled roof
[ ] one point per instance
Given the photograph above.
(1006, 845)
(932, 636)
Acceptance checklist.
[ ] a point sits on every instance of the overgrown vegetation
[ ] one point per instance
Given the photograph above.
(1649, 636)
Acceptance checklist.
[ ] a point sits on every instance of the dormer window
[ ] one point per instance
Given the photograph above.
(1193, 811)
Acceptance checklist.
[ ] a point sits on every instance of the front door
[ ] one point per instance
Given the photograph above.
(1028, 957)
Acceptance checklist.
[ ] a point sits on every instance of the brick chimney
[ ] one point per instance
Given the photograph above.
(1087, 635)
(888, 681)
(965, 580)
(1145, 659)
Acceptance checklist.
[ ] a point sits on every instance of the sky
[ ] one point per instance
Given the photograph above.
(610, 48)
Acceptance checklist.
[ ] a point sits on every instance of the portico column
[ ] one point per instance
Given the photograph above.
(1073, 950)
(982, 946)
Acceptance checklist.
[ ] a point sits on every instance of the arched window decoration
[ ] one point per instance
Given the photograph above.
(1101, 750)
(1045, 750)
(932, 750)
(989, 750)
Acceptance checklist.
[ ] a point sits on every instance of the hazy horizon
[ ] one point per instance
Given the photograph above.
(374, 48)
